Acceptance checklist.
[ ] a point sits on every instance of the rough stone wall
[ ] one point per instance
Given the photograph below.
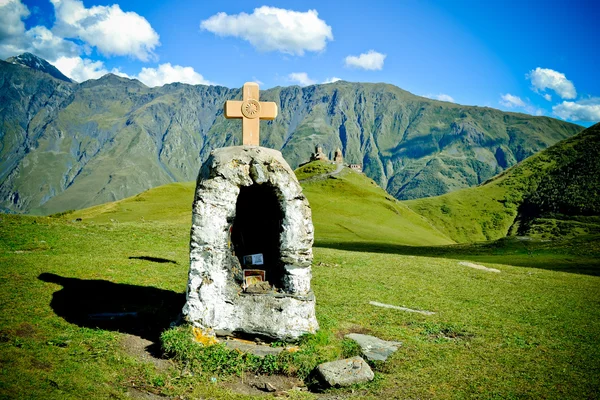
(215, 300)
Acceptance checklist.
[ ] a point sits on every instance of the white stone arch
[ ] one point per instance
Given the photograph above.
(214, 300)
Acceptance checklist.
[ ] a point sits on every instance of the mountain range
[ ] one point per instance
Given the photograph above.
(67, 145)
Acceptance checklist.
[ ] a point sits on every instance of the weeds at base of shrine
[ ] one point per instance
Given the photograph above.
(195, 358)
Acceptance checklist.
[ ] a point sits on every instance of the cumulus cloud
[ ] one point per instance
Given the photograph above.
(12, 13)
(274, 29)
(80, 69)
(331, 80)
(111, 30)
(441, 97)
(370, 60)
(548, 97)
(544, 78)
(167, 73)
(587, 110)
(46, 44)
(108, 28)
(511, 101)
(40, 41)
(14, 39)
(301, 78)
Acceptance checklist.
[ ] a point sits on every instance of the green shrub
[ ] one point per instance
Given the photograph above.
(179, 344)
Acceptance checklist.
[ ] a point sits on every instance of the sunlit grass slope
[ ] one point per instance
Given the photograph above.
(172, 203)
(348, 207)
(558, 186)
(526, 332)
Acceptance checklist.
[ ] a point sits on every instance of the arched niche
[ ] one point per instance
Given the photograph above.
(256, 229)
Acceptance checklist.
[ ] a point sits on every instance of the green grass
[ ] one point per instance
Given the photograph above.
(314, 168)
(530, 331)
(168, 203)
(349, 207)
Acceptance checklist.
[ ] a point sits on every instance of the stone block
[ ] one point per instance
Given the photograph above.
(344, 372)
(373, 348)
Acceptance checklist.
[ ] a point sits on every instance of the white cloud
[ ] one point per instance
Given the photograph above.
(167, 73)
(80, 69)
(441, 97)
(548, 97)
(12, 13)
(39, 40)
(331, 80)
(584, 110)
(111, 30)
(301, 78)
(511, 101)
(274, 29)
(45, 44)
(544, 78)
(370, 60)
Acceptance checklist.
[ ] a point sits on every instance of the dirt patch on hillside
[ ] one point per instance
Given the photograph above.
(144, 350)
(257, 385)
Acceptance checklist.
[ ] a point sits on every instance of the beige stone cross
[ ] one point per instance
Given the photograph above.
(251, 111)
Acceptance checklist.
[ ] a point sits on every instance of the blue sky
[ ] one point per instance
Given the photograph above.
(537, 57)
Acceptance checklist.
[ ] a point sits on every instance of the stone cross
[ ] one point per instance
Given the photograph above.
(251, 111)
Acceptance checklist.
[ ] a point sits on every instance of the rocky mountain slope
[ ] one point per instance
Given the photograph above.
(65, 145)
(555, 193)
(34, 62)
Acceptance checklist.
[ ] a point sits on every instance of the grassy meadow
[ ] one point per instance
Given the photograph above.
(530, 331)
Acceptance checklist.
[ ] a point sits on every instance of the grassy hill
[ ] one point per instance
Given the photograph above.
(530, 331)
(347, 207)
(553, 193)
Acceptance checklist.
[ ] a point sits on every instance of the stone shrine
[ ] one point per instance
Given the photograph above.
(338, 158)
(318, 155)
(251, 238)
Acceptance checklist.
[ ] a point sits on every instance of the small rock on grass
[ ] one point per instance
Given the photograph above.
(373, 348)
(477, 266)
(344, 372)
(265, 387)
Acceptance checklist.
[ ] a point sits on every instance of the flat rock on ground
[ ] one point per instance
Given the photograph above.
(373, 348)
(256, 385)
(345, 372)
(245, 346)
(477, 266)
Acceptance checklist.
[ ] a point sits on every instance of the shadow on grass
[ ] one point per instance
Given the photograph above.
(580, 256)
(138, 310)
(153, 259)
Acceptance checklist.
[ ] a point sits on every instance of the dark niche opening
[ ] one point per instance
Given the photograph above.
(256, 229)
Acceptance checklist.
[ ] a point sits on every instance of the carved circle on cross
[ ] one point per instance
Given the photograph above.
(251, 108)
